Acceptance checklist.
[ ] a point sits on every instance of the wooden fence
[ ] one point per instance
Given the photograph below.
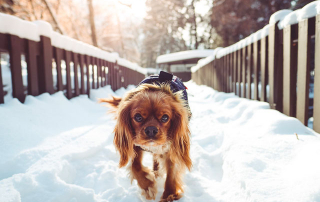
(40, 57)
(283, 64)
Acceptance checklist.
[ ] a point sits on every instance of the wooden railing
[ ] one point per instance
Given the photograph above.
(46, 49)
(278, 67)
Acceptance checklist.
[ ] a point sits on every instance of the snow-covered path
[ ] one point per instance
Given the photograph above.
(52, 149)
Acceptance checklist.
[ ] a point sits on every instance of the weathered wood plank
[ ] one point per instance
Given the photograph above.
(88, 62)
(239, 71)
(316, 101)
(256, 69)
(15, 66)
(264, 68)
(249, 70)
(58, 57)
(82, 63)
(275, 68)
(289, 69)
(68, 60)
(45, 66)
(75, 73)
(31, 59)
(94, 62)
(1, 85)
(303, 79)
(235, 71)
(244, 71)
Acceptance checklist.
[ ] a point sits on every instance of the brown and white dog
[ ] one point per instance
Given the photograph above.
(154, 119)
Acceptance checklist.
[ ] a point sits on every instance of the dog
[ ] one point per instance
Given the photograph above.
(154, 117)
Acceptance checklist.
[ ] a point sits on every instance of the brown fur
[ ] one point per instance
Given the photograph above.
(152, 102)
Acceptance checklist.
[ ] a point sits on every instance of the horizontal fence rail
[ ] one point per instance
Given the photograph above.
(281, 68)
(51, 68)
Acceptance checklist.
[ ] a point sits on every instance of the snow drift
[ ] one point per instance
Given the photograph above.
(54, 149)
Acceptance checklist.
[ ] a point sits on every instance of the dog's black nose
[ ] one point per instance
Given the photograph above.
(151, 131)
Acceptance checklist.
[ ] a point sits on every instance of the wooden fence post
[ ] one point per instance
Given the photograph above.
(239, 71)
(45, 66)
(82, 74)
(303, 81)
(275, 68)
(249, 70)
(112, 76)
(88, 62)
(75, 73)
(31, 58)
(244, 71)
(93, 61)
(99, 72)
(235, 72)
(231, 71)
(227, 67)
(58, 56)
(264, 68)
(68, 59)
(15, 66)
(256, 69)
(1, 85)
(290, 69)
(316, 101)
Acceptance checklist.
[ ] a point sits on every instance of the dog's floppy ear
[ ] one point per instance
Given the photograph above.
(180, 133)
(112, 102)
(123, 134)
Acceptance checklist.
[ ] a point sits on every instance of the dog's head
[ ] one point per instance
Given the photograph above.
(152, 116)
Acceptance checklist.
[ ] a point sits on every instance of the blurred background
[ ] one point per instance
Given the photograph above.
(141, 30)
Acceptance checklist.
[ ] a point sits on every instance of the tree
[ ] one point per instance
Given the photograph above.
(235, 20)
(162, 29)
(296, 4)
(92, 23)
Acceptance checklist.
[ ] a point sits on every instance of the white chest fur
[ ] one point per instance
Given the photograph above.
(156, 149)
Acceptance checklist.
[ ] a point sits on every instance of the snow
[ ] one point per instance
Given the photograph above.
(184, 55)
(309, 10)
(44, 28)
(265, 31)
(257, 35)
(54, 149)
(13, 25)
(249, 40)
(290, 19)
(205, 61)
(279, 15)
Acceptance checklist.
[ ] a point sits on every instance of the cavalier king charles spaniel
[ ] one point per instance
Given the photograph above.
(152, 118)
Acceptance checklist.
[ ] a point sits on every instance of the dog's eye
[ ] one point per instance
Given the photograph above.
(164, 118)
(138, 117)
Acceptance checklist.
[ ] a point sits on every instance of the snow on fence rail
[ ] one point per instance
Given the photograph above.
(279, 63)
(84, 66)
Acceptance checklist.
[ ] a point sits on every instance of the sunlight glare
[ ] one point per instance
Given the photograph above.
(138, 6)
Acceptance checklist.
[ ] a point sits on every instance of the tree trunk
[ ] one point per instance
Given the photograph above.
(91, 20)
(195, 26)
(53, 16)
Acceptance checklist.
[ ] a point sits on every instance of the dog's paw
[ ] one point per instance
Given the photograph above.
(171, 198)
(150, 191)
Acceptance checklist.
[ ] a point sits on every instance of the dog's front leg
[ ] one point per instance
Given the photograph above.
(144, 176)
(173, 185)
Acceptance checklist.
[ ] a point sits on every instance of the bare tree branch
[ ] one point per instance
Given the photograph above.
(91, 20)
(33, 10)
(53, 16)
